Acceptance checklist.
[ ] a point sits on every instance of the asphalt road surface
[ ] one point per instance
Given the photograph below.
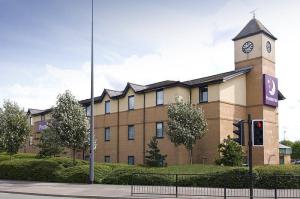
(21, 196)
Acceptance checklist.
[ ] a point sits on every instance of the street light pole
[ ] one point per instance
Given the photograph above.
(92, 103)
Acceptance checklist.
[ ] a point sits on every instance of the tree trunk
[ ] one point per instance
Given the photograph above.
(74, 150)
(191, 156)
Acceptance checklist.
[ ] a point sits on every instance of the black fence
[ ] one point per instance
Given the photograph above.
(216, 186)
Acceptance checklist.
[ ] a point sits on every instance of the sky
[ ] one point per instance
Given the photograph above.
(45, 46)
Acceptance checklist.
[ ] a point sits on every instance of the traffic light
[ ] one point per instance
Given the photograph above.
(239, 132)
(258, 132)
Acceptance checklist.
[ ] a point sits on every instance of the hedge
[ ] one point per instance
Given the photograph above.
(26, 167)
(80, 174)
(29, 169)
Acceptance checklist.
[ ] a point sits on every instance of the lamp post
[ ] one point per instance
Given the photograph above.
(91, 176)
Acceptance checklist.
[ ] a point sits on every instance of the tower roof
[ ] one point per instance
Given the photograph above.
(254, 27)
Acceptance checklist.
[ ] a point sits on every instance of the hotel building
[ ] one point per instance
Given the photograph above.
(125, 121)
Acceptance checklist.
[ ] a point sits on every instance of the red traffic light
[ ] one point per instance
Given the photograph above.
(259, 124)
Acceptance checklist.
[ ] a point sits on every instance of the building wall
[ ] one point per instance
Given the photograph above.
(262, 62)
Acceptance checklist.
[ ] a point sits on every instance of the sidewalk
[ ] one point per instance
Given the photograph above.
(65, 189)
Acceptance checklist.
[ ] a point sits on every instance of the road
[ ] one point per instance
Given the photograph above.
(21, 196)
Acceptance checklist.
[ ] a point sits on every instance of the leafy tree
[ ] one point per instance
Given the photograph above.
(154, 158)
(287, 143)
(186, 124)
(231, 153)
(296, 150)
(69, 122)
(50, 143)
(14, 127)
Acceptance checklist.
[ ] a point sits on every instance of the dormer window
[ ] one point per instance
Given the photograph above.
(159, 97)
(203, 94)
(107, 106)
(131, 102)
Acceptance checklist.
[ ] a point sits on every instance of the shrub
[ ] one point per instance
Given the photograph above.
(29, 169)
(236, 178)
(80, 174)
(3, 158)
(231, 153)
(49, 144)
(153, 157)
(283, 176)
(67, 162)
(122, 175)
(24, 156)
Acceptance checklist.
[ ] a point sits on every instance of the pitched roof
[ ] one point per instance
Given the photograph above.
(113, 93)
(34, 111)
(41, 112)
(218, 78)
(254, 27)
(281, 146)
(163, 84)
(136, 87)
(86, 102)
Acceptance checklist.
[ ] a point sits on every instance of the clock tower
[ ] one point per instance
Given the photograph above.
(255, 46)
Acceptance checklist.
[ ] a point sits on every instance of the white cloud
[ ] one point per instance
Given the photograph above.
(187, 47)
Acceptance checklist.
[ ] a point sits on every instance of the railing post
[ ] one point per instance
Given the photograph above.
(132, 184)
(176, 183)
(224, 192)
(276, 183)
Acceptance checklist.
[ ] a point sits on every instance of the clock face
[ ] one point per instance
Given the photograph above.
(247, 47)
(268, 47)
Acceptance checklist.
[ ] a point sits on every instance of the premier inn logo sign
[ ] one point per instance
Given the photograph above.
(270, 90)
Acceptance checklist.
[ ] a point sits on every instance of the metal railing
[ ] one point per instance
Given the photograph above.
(216, 185)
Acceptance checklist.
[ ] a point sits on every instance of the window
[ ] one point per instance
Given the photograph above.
(31, 121)
(131, 160)
(107, 159)
(30, 140)
(203, 92)
(160, 97)
(42, 117)
(88, 111)
(159, 129)
(107, 106)
(107, 134)
(131, 102)
(130, 132)
(161, 162)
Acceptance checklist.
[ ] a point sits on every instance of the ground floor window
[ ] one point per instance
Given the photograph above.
(107, 134)
(31, 140)
(131, 160)
(107, 159)
(159, 130)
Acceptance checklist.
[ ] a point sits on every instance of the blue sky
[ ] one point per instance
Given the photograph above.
(45, 46)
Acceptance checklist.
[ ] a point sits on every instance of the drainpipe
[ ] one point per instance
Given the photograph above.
(118, 135)
(144, 129)
(190, 95)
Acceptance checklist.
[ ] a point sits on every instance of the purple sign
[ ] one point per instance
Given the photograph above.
(270, 90)
(41, 126)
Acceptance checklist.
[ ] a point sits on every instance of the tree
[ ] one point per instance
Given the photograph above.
(296, 150)
(186, 124)
(50, 143)
(14, 127)
(287, 143)
(154, 158)
(231, 153)
(69, 122)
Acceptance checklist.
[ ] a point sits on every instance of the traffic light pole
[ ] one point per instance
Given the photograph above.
(250, 144)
